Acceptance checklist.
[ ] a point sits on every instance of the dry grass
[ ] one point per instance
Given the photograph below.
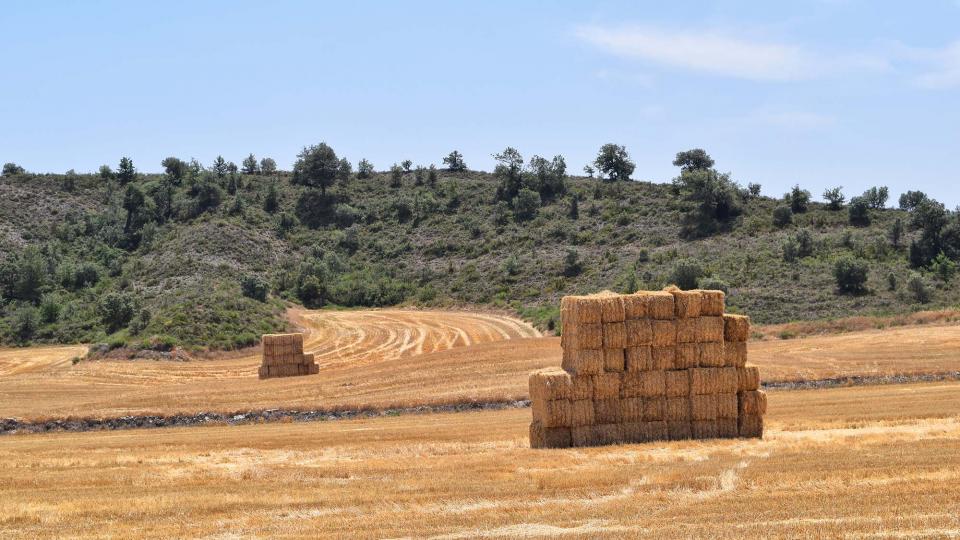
(853, 462)
(383, 358)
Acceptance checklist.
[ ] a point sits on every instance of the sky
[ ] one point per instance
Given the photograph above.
(823, 93)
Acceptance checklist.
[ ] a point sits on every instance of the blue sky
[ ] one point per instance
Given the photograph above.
(816, 92)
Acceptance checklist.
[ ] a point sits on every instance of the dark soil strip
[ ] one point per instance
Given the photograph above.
(13, 425)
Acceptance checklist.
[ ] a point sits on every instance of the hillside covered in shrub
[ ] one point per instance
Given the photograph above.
(210, 256)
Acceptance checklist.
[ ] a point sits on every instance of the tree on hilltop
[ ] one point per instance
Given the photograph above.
(614, 162)
(316, 166)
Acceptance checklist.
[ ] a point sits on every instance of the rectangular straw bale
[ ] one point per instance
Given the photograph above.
(607, 411)
(704, 429)
(688, 356)
(736, 327)
(309, 358)
(550, 383)
(631, 409)
(710, 329)
(582, 362)
(544, 437)
(677, 383)
(750, 426)
(635, 306)
(582, 309)
(634, 432)
(554, 413)
(662, 357)
(614, 335)
(606, 385)
(654, 409)
(727, 380)
(581, 412)
(657, 430)
(686, 303)
(748, 378)
(611, 309)
(613, 360)
(711, 303)
(710, 354)
(688, 330)
(727, 405)
(752, 402)
(677, 409)
(654, 384)
(581, 387)
(664, 333)
(679, 430)
(581, 435)
(704, 380)
(660, 305)
(727, 428)
(639, 332)
(263, 372)
(605, 434)
(704, 407)
(297, 341)
(631, 386)
(314, 369)
(586, 336)
(638, 358)
(734, 353)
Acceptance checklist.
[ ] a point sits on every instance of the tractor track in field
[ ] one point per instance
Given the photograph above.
(14, 425)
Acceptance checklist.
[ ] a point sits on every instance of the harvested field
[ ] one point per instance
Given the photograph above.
(41, 383)
(860, 462)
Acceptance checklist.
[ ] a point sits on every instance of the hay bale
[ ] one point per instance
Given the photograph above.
(660, 305)
(638, 358)
(613, 360)
(639, 332)
(549, 384)
(750, 426)
(654, 409)
(736, 327)
(553, 413)
(611, 309)
(263, 372)
(688, 356)
(654, 384)
(544, 437)
(677, 383)
(727, 405)
(581, 387)
(607, 411)
(711, 303)
(582, 362)
(664, 333)
(657, 430)
(605, 434)
(727, 428)
(606, 385)
(748, 378)
(679, 430)
(314, 369)
(581, 412)
(581, 436)
(634, 432)
(614, 335)
(662, 358)
(727, 380)
(710, 354)
(734, 353)
(580, 310)
(586, 336)
(710, 329)
(635, 306)
(677, 409)
(704, 381)
(688, 330)
(704, 429)
(309, 358)
(704, 407)
(752, 402)
(631, 409)
(685, 303)
(631, 385)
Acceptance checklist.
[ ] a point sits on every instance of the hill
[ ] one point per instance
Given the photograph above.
(211, 258)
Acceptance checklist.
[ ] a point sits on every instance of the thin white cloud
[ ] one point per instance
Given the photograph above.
(716, 52)
(944, 69)
(793, 120)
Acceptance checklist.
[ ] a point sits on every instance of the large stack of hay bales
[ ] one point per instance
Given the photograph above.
(283, 356)
(655, 365)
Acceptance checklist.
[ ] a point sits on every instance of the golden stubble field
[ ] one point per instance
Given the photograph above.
(863, 462)
(385, 358)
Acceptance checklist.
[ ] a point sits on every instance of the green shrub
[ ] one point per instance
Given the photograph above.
(686, 274)
(115, 309)
(715, 284)
(850, 274)
(782, 216)
(526, 204)
(919, 291)
(26, 321)
(859, 212)
(255, 287)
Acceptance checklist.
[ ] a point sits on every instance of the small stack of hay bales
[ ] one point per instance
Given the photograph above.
(283, 356)
(654, 365)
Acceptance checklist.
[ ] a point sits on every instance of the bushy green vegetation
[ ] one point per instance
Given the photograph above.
(210, 256)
